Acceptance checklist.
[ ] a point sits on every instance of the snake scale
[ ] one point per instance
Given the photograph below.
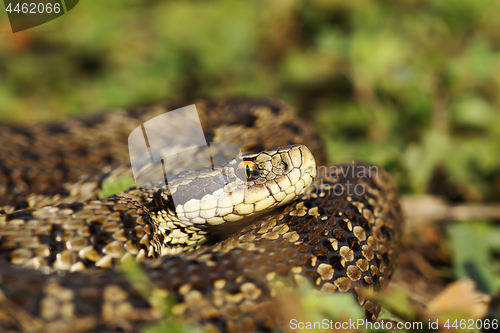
(54, 230)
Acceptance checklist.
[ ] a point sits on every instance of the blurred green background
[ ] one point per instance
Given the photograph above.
(412, 85)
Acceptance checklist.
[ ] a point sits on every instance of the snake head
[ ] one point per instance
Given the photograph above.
(230, 196)
(282, 174)
(250, 185)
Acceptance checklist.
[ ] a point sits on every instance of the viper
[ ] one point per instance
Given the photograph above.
(216, 241)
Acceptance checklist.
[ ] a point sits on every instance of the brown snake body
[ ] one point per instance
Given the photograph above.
(337, 240)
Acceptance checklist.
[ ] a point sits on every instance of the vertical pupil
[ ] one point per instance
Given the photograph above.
(248, 171)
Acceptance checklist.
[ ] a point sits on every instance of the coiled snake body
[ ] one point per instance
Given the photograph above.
(340, 234)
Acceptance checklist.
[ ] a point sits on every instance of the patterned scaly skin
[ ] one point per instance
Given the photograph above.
(144, 223)
(337, 241)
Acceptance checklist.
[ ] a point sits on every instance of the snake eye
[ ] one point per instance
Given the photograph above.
(251, 170)
(248, 171)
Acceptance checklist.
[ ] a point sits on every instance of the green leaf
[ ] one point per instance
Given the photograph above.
(471, 255)
(110, 187)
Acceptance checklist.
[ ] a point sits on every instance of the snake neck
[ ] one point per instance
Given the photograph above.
(171, 235)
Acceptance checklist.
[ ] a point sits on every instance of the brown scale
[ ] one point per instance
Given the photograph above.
(77, 236)
(337, 242)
